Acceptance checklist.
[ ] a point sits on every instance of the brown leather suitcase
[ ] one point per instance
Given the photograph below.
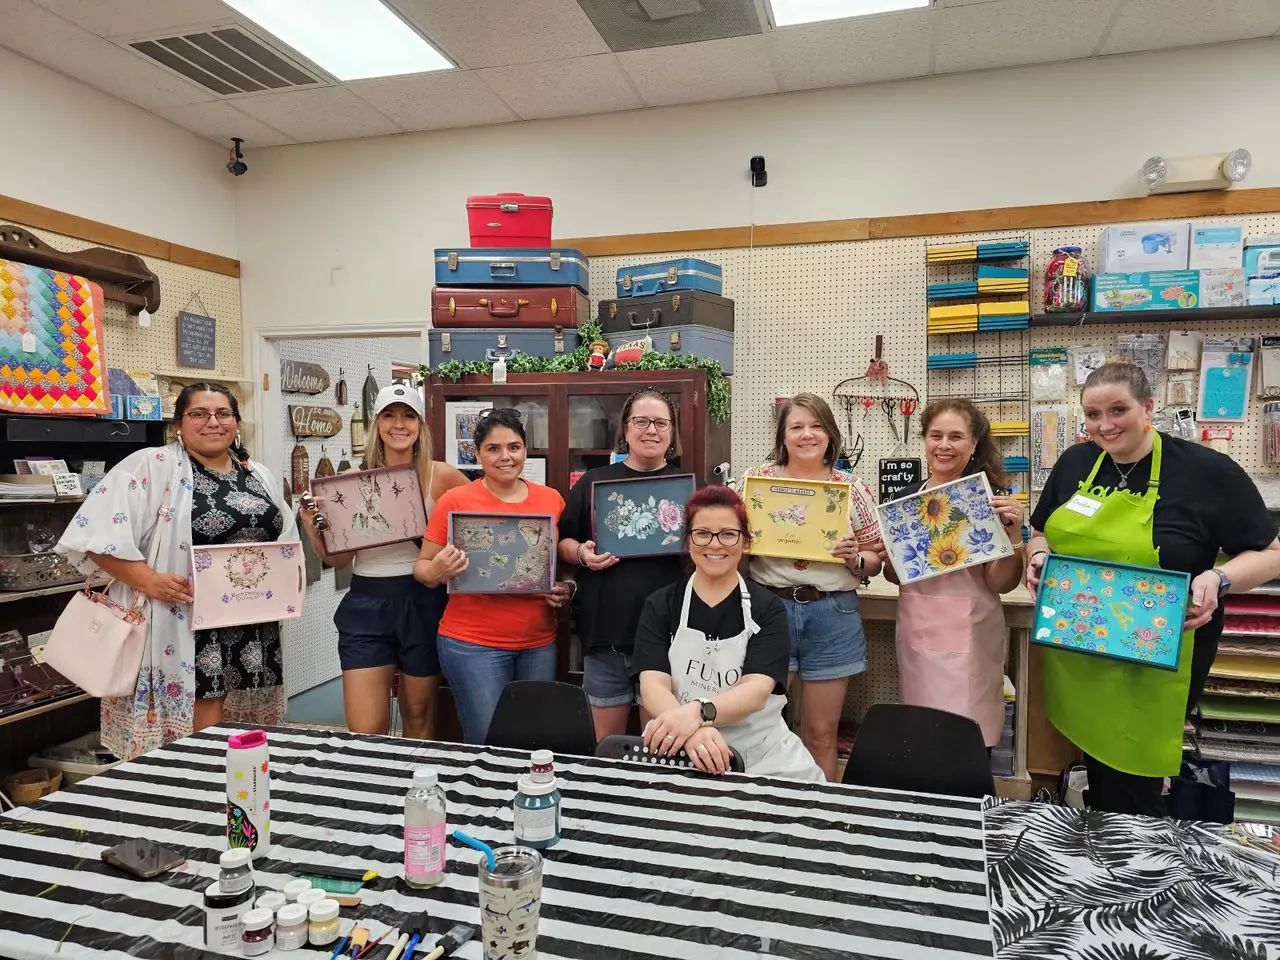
(541, 307)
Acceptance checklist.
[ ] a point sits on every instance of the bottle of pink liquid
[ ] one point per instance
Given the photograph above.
(424, 830)
(249, 793)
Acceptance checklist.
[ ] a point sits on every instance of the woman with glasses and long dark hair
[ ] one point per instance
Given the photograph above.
(488, 640)
(611, 592)
(712, 652)
(138, 526)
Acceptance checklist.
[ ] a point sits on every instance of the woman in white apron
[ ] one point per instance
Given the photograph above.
(712, 653)
(951, 632)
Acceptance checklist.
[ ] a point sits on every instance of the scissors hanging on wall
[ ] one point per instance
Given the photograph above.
(875, 386)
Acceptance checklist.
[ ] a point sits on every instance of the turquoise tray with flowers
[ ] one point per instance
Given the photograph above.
(1112, 610)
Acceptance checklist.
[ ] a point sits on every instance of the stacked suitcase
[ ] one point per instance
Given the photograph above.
(509, 292)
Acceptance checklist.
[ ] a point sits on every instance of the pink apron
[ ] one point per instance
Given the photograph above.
(951, 648)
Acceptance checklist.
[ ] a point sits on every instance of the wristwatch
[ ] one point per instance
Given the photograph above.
(708, 711)
(1225, 585)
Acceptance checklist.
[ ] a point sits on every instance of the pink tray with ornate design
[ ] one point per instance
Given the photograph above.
(239, 583)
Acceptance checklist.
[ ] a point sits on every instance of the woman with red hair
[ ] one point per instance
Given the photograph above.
(712, 653)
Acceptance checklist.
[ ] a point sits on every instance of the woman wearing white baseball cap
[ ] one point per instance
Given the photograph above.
(387, 621)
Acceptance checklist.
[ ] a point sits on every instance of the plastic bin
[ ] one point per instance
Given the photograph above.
(76, 758)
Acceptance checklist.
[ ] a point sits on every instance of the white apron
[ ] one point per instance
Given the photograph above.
(702, 668)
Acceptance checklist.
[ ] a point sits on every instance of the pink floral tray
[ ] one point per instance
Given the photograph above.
(238, 583)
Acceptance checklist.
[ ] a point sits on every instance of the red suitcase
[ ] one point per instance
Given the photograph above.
(509, 220)
(542, 307)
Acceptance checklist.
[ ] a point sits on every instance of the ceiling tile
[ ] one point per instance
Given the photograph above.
(563, 88)
(698, 72)
(328, 113)
(220, 121)
(434, 101)
(127, 18)
(639, 24)
(1008, 33)
(511, 31)
(863, 50)
(1153, 24)
(53, 42)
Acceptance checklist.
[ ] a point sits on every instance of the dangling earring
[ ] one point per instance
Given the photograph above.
(623, 446)
(1147, 428)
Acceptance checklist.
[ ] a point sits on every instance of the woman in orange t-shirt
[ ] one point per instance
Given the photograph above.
(487, 640)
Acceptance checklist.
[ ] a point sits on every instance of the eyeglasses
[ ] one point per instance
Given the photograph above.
(661, 424)
(201, 416)
(703, 538)
(486, 414)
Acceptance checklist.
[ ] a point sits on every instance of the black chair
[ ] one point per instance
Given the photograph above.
(623, 747)
(543, 715)
(920, 749)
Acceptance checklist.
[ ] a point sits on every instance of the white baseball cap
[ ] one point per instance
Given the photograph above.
(411, 397)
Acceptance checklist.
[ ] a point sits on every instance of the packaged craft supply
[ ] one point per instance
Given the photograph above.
(1048, 372)
(248, 792)
(424, 830)
(1066, 282)
(228, 899)
(537, 804)
(256, 937)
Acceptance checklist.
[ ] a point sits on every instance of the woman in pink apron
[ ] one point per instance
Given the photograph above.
(951, 632)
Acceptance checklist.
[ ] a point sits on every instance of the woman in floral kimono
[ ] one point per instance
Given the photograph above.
(138, 527)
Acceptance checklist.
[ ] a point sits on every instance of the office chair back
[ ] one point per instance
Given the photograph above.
(922, 750)
(543, 715)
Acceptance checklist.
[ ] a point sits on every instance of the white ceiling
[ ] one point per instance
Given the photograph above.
(527, 59)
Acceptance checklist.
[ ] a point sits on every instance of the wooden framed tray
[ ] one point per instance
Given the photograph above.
(371, 508)
(641, 516)
(507, 553)
(238, 583)
(796, 519)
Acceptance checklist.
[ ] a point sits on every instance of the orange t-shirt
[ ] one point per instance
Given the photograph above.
(519, 622)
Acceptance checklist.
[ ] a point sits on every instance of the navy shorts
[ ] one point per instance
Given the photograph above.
(390, 622)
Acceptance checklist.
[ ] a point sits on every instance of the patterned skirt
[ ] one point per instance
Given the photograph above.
(248, 657)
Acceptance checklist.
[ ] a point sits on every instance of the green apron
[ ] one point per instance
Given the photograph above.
(1128, 716)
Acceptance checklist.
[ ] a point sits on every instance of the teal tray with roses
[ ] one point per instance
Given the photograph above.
(1112, 610)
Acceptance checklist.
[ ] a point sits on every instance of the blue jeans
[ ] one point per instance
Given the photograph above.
(477, 674)
(827, 639)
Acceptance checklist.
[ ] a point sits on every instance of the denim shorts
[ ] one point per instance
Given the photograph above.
(390, 622)
(827, 640)
(606, 676)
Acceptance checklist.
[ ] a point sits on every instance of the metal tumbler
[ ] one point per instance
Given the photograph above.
(510, 900)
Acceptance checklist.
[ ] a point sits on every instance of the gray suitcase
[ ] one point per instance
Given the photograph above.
(690, 340)
(493, 342)
(681, 307)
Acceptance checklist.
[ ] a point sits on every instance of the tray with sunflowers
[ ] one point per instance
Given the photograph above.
(943, 529)
(1112, 610)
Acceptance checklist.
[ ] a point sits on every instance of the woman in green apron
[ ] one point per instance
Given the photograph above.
(1134, 495)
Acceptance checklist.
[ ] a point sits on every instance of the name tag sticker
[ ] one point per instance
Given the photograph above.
(1085, 506)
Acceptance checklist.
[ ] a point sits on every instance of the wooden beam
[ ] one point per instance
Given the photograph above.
(1209, 203)
(92, 231)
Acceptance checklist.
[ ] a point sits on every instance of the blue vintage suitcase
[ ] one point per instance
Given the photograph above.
(489, 344)
(687, 273)
(511, 267)
(690, 340)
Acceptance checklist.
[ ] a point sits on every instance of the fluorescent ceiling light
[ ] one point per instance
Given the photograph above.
(351, 39)
(789, 12)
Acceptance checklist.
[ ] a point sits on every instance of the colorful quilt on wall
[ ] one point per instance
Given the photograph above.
(51, 350)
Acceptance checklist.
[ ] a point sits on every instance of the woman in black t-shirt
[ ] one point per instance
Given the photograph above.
(611, 591)
(712, 653)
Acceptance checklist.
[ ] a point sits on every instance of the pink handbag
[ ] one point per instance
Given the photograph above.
(98, 644)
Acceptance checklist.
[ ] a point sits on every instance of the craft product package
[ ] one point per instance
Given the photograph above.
(1164, 290)
(687, 273)
(693, 340)
(509, 220)
(1262, 255)
(1145, 246)
(1216, 247)
(539, 307)
(629, 314)
(511, 267)
(239, 583)
(498, 342)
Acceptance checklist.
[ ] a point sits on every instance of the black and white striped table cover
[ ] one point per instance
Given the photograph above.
(653, 864)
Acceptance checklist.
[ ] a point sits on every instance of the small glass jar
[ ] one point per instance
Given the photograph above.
(291, 927)
(272, 900)
(256, 938)
(323, 928)
(309, 898)
(295, 887)
(235, 872)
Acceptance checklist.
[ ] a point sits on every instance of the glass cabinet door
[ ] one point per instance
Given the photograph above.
(460, 415)
(594, 425)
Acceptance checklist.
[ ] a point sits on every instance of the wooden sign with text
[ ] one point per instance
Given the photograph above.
(299, 377)
(314, 421)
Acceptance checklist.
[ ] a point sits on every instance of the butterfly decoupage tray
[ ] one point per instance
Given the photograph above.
(507, 553)
(370, 508)
(943, 529)
(1111, 610)
(796, 519)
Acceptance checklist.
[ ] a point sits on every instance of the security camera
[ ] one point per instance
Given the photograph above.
(759, 176)
(235, 163)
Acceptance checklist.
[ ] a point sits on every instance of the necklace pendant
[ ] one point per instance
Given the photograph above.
(1124, 482)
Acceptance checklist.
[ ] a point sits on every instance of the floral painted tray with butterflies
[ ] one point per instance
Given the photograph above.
(1112, 610)
(370, 508)
(238, 583)
(507, 553)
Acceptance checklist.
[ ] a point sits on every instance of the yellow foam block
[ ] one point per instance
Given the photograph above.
(1012, 308)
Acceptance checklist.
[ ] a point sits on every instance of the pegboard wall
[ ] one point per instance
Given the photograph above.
(807, 317)
(310, 642)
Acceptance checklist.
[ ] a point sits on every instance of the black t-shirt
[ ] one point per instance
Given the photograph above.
(768, 651)
(608, 602)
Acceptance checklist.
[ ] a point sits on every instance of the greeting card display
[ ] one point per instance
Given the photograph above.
(370, 508)
(238, 583)
(640, 516)
(796, 519)
(943, 529)
(1112, 610)
(509, 553)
